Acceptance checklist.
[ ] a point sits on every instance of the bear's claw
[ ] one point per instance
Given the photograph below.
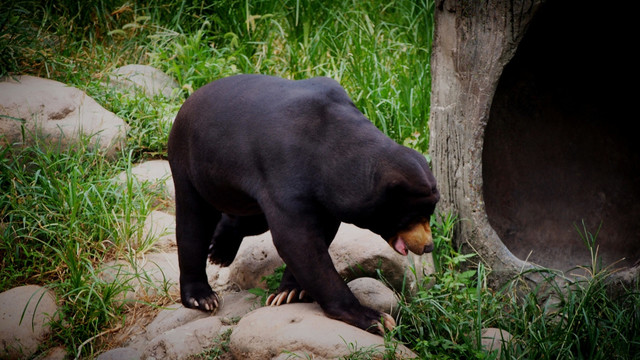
(387, 323)
(209, 303)
(286, 297)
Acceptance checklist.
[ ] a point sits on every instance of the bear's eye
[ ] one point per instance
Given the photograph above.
(420, 220)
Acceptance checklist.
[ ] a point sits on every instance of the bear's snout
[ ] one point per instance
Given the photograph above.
(417, 239)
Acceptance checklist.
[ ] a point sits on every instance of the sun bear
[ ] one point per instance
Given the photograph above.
(251, 153)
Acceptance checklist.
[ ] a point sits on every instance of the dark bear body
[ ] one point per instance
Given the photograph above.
(252, 153)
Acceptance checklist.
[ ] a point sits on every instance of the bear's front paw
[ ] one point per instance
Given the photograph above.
(386, 323)
(373, 321)
(199, 296)
(288, 297)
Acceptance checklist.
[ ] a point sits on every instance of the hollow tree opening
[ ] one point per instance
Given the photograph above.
(559, 146)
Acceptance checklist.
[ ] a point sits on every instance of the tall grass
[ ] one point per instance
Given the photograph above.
(380, 54)
(378, 51)
(62, 217)
(560, 318)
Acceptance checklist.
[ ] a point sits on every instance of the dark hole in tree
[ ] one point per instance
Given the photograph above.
(559, 144)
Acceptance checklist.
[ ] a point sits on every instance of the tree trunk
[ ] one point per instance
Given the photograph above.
(525, 154)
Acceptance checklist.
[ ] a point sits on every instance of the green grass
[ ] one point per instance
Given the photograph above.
(379, 53)
(62, 217)
(562, 318)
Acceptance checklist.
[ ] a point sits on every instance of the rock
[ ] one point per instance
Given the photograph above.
(145, 78)
(120, 354)
(24, 314)
(158, 233)
(161, 267)
(237, 304)
(149, 274)
(493, 339)
(374, 294)
(156, 172)
(184, 341)
(234, 305)
(302, 329)
(360, 253)
(256, 258)
(355, 253)
(175, 316)
(56, 353)
(161, 227)
(56, 114)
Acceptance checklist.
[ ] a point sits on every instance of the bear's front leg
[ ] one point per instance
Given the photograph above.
(301, 241)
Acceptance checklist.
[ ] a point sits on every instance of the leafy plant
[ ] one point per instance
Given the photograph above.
(272, 283)
(445, 317)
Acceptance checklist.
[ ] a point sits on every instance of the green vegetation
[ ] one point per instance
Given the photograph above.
(62, 216)
(561, 318)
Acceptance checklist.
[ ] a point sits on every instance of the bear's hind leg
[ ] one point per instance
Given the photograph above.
(229, 234)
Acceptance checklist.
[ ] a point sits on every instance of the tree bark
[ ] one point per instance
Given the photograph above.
(518, 89)
(473, 41)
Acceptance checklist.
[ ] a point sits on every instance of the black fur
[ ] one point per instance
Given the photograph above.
(252, 153)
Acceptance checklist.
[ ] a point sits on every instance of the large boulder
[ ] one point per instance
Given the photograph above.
(302, 330)
(143, 78)
(256, 258)
(374, 294)
(184, 341)
(359, 253)
(494, 339)
(355, 253)
(160, 229)
(120, 354)
(55, 113)
(154, 273)
(25, 312)
(177, 332)
(156, 172)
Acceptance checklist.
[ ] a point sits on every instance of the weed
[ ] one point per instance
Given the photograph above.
(558, 318)
(444, 320)
(272, 283)
(219, 348)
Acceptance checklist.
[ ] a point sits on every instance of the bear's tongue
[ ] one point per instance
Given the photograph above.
(400, 246)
